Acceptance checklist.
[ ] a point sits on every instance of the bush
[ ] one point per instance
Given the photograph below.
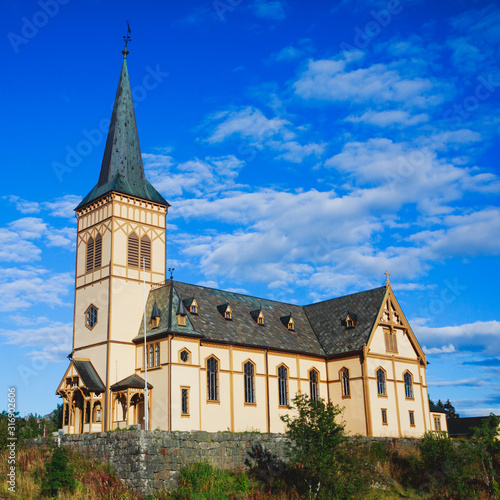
(58, 473)
(324, 460)
(201, 480)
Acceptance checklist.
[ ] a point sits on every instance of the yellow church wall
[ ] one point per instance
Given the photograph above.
(353, 406)
(216, 415)
(121, 362)
(96, 294)
(185, 376)
(97, 355)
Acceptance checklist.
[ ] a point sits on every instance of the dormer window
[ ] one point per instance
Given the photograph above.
(181, 314)
(288, 322)
(350, 320)
(191, 305)
(155, 316)
(258, 316)
(226, 311)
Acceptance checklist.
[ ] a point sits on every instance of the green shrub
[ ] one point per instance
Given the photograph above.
(326, 464)
(201, 480)
(58, 473)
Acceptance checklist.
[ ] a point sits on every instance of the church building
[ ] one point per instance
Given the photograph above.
(216, 360)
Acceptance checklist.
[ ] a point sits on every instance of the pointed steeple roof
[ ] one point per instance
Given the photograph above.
(122, 169)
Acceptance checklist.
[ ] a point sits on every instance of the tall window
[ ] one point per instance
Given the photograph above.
(384, 416)
(145, 260)
(94, 253)
(98, 252)
(133, 250)
(184, 401)
(437, 423)
(391, 344)
(313, 385)
(153, 354)
(283, 385)
(408, 385)
(346, 390)
(90, 255)
(381, 382)
(249, 377)
(213, 379)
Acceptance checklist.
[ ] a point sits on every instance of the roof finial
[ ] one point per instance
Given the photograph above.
(387, 282)
(126, 39)
(171, 271)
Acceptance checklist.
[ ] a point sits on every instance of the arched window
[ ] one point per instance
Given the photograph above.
(283, 385)
(151, 355)
(344, 377)
(90, 255)
(97, 413)
(381, 382)
(98, 252)
(314, 384)
(213, 379)
(408, 385)
(249, 377)
(145, 253)
(133, 250)
(157, 354)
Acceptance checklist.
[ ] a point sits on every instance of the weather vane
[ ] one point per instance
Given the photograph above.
(171, 270)
(127, 38)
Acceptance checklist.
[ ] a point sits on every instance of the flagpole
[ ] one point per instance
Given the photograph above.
(146, 408)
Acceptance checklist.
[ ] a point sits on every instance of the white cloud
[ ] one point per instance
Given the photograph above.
(288, 54)
(446, 349)
(24, 287)
(63, 207)
(24, 206)
(15, 249)
(247, 123)
(388, 118)
(466, 382)
(330, 80)
(269, 9)
(53, 338)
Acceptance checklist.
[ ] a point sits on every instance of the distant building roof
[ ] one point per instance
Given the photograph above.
(436, 409)
(459, 427)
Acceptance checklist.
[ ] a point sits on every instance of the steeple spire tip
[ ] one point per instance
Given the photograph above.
(126, 39)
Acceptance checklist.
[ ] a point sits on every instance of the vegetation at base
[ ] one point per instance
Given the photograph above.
(202, 481)
(41, 474)
(31, 426)
(324, 464)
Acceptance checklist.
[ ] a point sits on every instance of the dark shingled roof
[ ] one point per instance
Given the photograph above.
(89, 376)
(318, 327)
(131, 382)
(122, 169)
(327, 318)
(436, 409)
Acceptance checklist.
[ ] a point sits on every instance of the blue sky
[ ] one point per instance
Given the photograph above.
(305, 147)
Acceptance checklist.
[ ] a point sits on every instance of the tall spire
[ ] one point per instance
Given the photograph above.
(122, 169)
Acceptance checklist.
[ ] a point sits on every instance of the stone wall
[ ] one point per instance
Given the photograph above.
(150, 461)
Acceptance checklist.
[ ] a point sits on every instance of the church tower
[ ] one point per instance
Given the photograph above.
(121, 242)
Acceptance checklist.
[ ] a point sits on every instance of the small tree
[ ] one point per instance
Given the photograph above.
(58, 473)
(321, 453)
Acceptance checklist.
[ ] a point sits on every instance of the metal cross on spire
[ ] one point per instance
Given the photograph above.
(387, 274)
(127, 38)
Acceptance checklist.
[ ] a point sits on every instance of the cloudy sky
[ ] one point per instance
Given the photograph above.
(305, 147)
